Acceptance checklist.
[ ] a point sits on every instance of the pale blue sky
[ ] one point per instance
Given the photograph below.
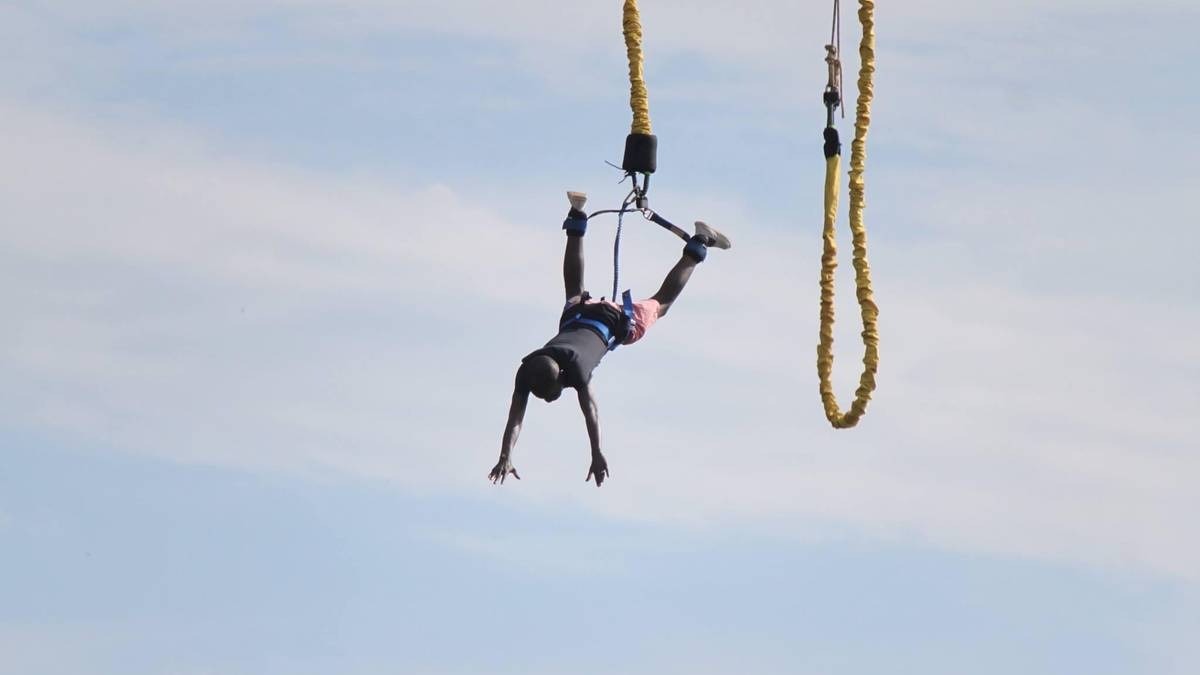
(269, 266)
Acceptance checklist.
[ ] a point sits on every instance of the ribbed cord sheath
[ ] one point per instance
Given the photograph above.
(862, 269)
(639, 98)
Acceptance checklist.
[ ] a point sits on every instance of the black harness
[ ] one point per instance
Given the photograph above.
(610, 323)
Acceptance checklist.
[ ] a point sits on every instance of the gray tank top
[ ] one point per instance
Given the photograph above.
(577, 350)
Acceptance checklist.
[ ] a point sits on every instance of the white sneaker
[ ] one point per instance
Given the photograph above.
(714, 238)
(577, 199)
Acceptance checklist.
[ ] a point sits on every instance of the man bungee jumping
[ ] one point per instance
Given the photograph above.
(589, 329)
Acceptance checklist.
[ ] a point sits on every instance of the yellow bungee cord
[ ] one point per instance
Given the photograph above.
(639, 98)
(862, 269)
(641, 146)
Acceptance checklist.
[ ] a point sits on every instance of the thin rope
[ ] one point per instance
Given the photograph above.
(833, 55)
(866, 299)
(835, 31)
(617, 255)
(639, 98)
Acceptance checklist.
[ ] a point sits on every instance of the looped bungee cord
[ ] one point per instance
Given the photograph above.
(866, 300)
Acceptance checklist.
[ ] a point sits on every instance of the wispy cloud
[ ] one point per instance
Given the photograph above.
(171, 296)
(179, 302)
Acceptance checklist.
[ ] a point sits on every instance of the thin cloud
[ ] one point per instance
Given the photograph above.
(317, 333)
(1037, 391)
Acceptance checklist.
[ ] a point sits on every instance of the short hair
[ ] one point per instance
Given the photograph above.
(540, 374)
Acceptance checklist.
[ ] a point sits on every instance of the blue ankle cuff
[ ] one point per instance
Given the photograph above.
(696, 250)
(574, 225)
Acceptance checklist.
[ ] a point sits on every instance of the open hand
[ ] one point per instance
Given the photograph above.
(599, 469)
(501, 471)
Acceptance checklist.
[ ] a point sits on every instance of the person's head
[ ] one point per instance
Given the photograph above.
(541, 375)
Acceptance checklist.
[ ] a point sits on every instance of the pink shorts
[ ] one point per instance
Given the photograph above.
(645, 313)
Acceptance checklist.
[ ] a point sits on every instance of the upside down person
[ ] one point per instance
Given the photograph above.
(589, 329)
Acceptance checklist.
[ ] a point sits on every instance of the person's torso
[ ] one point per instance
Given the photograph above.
(578, 350)
(586, 330)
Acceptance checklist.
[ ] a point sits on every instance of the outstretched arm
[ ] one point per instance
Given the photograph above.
(587, 403)
(512, 430)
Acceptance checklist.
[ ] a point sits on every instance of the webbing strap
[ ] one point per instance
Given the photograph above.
(598, 326)
(602, 328)
(627, 308)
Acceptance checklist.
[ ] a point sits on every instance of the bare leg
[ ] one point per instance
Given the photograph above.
(575, 226)
(573, 266)
(673, 285)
